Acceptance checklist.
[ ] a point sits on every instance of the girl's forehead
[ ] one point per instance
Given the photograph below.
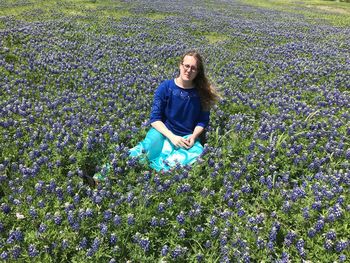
(190, 60)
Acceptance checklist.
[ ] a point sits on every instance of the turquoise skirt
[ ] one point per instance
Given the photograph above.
(161, 154)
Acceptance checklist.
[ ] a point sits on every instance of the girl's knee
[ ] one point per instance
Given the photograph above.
(153, 134)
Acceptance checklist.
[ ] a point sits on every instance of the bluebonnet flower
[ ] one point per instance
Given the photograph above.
(29, 199)
(65, 244)
(16, 252)
(284, 258)
(328, 244)
(162, 222)
(241, 212)
(161, 207)
(170, 202)
(165, 250)
(182, 233)
(199, 257)
(331, 235)
(70, 217)
(289, 238)
(97, 199)
(286, 206)
(300, 247)
(107, 215)
(76, 198)
(41, 204)
(89, 212)
(262, 180)
(319, 225)
(215, 231)
(145, 244)
(226, 214)
(154, 221)
(178, 252)
(113, 239)
(342, 258)
(347, 154)
(297, 193)
(6, 209)
(265, 195)
(39, 187)
(180, 218)
(312, 232)
(246, 257)
(32, 251)
(212, 220)
(306, 214)
(260, 243)
(273, 233)
(207, 244)
(331, 217)
(83, 243)
(246, 188)
(336, 210)
(341, 245)
(199, 228)
(131, 219)
(81, 214)
(103, 229)
(147, 175)
(317, 205)
(15, 235)
(4, 255)
(130, 197)
(42, 228)
(223, 240)
(94, 247)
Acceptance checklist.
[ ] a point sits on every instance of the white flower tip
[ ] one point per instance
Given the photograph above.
(19, 216)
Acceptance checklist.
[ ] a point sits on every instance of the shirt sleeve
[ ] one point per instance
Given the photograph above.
(159, 103)
(203, 119)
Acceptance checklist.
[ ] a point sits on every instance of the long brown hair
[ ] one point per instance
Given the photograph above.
(207, 92)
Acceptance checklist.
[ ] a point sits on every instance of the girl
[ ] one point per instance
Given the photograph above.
(179, 115)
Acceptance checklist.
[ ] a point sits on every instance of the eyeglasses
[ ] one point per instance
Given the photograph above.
(189, 67)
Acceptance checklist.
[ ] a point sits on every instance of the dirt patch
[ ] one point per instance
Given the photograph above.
(330, 9)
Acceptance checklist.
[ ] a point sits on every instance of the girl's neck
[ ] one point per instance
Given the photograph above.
(183, 84)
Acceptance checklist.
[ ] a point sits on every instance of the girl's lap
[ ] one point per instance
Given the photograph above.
(162, 154)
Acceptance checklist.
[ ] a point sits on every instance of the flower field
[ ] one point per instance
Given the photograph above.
(77, 80)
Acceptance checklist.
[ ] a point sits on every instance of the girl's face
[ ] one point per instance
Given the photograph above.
(188, 69)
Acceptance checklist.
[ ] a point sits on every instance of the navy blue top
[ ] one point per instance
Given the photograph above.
(179, 109)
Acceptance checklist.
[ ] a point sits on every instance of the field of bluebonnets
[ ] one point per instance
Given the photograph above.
(77, 80)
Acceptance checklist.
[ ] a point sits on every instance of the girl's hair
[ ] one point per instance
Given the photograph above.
(207, 92)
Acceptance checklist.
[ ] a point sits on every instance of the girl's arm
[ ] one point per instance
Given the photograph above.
(197, 131)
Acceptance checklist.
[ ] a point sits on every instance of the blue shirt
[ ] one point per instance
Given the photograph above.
(179, 109)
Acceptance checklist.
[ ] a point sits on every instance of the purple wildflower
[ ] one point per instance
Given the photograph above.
(165, 250)
(180, 218)
(32, 251)
(113, 239)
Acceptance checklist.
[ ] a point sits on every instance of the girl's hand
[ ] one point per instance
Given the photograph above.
(178, 141)
(191, 140)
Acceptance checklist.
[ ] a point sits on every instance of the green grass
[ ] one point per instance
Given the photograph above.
(336, 13)
(42, 10)
(214, 37)
(157, 16)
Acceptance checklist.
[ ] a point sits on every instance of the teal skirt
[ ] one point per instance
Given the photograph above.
(161, 154)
